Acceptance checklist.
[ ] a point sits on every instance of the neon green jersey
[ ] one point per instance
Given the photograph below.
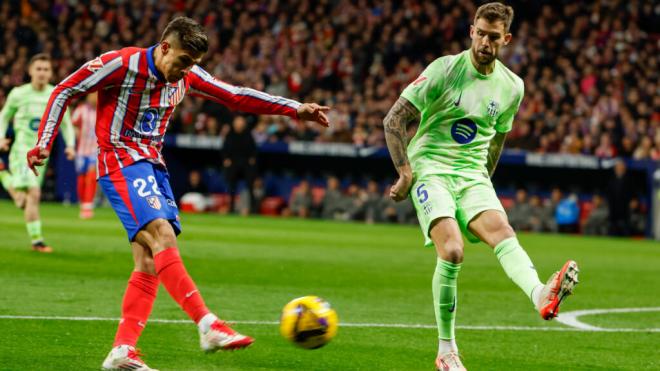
(26, 106)
(461, 109)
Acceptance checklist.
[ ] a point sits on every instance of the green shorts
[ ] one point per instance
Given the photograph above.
(21, 175)
(446, 196)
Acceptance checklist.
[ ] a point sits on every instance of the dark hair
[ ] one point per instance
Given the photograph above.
(495, 12)
(189, 33)
(40, 57)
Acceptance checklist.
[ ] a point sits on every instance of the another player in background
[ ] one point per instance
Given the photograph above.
(465, 105)
(138, 90)
(26, 104)
(84, 121)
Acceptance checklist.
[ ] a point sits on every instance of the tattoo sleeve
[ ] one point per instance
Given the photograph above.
(400, 115)
(494, 152)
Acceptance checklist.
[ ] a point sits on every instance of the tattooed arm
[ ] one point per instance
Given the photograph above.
(401, 114)
(494, 152)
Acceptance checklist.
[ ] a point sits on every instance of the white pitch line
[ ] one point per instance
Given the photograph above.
(343, 324)
(571, 318)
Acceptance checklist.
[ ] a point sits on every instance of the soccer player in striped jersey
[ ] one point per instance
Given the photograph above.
(137, 91)
(465, 105)
(84, 122)
(26, 104)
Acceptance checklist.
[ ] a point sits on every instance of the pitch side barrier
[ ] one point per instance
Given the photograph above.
(587, 173)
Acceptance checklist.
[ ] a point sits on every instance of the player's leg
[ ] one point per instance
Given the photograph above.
(136, 307)
(487, 220)
(448, 243)
(435, 205)
(214, 334)
(33, 220)
(87, 189)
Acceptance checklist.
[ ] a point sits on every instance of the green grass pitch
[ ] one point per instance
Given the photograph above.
(248, 268)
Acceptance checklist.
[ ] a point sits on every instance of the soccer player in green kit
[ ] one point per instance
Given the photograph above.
(26, 104)
(465, 105)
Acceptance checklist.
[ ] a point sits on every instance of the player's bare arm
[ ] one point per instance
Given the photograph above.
(400, 115)
(494, 151)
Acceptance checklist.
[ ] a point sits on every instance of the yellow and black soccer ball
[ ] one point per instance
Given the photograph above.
(308, 322)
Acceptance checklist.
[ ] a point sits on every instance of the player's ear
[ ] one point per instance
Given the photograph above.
(507, 38)
(164, 46)
(472, 31)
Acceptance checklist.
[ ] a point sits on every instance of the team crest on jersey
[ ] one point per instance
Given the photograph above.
(493, 108)
(95, 65)
(175, 94)
(154, 202)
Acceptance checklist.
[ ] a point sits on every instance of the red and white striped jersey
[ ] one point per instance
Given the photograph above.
(84, 118)
(135, 104)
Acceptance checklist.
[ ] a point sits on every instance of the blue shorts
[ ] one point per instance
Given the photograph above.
(84, 163)
(139, 194)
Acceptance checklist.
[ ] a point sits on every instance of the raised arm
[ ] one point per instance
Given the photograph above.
(202, 84)
(400, 115)
(494, 151)
(99, 72)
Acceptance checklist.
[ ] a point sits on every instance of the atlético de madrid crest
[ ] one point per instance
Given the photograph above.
(493, 108)
(154, 202)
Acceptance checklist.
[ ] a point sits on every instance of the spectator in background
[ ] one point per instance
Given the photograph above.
(354, 201)
(372, 204)
(333, 205)
(637, 218)
(596, 222)
(250, 204)
(618, 197)
(567, 214)
(300, 203)
(240, 159)
(520, 214)
(537, 220)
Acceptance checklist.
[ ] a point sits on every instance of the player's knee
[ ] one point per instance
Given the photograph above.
(146, 265)
(452, 253)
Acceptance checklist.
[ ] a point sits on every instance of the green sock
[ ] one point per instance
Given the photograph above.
(517, 265)
(444, 297)
(34, 230)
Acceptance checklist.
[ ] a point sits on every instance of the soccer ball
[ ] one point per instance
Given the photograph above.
(308, 322)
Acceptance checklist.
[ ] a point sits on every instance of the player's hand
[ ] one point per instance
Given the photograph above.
(70, 153)
(399, 191)
(314, 112)
(4, 144)
(36, 157)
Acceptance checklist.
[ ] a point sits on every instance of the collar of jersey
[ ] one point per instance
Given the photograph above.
(152, 66)
(474, 70)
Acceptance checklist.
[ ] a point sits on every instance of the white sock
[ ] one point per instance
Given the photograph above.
(536, 295)
(446, 346)
(205, 323)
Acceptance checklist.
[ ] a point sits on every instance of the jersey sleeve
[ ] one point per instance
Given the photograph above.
(8, 111)
(427, 87)
(202, 84)
(100, 72)
(505, 121)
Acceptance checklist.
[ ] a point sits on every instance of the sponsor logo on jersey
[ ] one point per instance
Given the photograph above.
(154, 202)
(171, 203)
(464, 131)
(95, 64)
(148, 122)
(34, 124)
(493, 108)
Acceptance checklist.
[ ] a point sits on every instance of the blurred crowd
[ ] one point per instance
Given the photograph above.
(590, 68)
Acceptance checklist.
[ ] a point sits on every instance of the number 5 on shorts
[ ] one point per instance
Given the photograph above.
(422, 195)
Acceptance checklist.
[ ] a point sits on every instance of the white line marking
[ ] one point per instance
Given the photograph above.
(571, 319)
(375, 325)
